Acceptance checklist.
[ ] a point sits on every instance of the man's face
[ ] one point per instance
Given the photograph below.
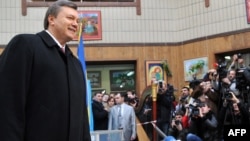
(119, 99)
(65, 25)
(185, 92)
(178, 117)
(130, 94)
(205, 109)
(231, 75)
(105, 98)
(98, 97)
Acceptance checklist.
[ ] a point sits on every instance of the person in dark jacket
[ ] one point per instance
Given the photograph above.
(100, 113)
(42, 88)
(165, 107)
(233, 112)
(203, 125)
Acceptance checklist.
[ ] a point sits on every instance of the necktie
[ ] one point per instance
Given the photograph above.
(119, 116)
(63, 49)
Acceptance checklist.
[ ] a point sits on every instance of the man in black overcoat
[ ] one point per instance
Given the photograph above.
(42, 89)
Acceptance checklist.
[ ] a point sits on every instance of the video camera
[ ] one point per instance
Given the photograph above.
(222, 69)
(227, 94)
(195, 108)
(177, 122)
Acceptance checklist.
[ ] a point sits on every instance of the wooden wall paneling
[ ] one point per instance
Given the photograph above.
(188, 51)
(238, 42)
(175, 55)
(247, 40)
(94, 53)
(141, 75)
(150, 53)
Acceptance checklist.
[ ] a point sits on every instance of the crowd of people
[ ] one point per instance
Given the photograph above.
(200, 113)
(205, 107)
(115, 112)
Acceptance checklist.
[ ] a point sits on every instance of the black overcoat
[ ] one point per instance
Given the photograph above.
(42, 92)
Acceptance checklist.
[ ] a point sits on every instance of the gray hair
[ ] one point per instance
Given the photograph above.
(54, 9)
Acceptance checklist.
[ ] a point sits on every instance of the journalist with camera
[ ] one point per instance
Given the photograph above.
(233, 111)
(238, 79)
(242, 78)
(228, 80)
(203, 125)
(177, 128)
(195, 108)
(165, 98)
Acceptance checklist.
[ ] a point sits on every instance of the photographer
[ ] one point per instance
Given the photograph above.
(203, 93)
(132, 99)
(229, 83)
(242, 72)
(185, 99)
(213, 77)
(177, 129)
(233, 111)
(165, 98)
(228, 80)
(203, 126)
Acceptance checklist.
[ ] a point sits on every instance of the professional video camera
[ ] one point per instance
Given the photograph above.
(222, 69)
(241, 74)
(241, 81)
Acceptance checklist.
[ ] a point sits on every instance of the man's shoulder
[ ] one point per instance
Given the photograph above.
(127, 106)
(24, 37)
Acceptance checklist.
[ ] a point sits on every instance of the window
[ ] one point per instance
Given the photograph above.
(85, 3)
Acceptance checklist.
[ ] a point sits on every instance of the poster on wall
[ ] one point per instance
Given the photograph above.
(90, 22)
(122, 80)
(154, 71)
(195, 68)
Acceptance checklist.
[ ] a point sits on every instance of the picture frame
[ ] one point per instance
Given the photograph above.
(91, 25)
(248, 10)
(95, 78)
(154, 71)
(121, 81)
(195, 68)
(97, 90)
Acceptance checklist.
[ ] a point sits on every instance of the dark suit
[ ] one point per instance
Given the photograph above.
(100, 116)
(42, 92)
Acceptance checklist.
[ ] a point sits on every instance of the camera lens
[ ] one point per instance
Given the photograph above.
(177, 122)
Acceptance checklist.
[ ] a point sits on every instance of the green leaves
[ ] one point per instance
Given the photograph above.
(196, 66)
(166, 68)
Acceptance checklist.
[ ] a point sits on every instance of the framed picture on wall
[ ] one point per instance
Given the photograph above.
(95, 78)
(154, 71)
(248, 10)
(98, 90)
(90, 22)
(195, 68)
(122, 80)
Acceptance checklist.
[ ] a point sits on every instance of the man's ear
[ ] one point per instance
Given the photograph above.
(51, 20)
